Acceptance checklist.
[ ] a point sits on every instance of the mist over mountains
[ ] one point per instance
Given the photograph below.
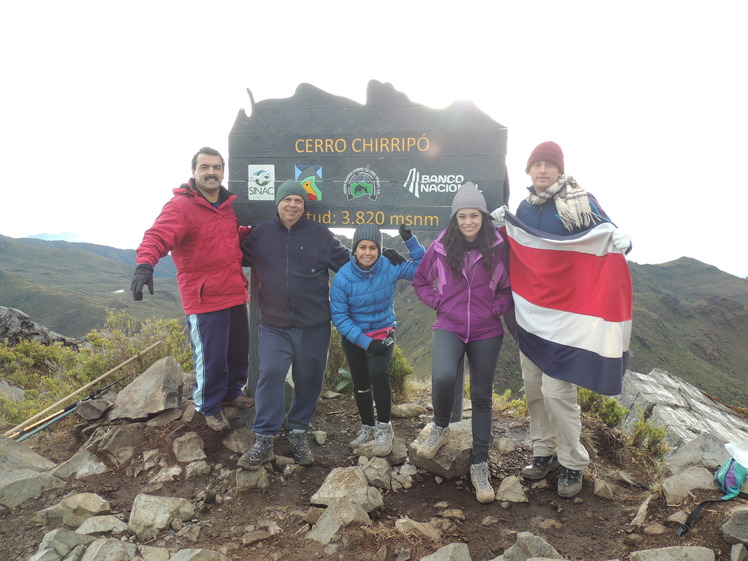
(690, 318)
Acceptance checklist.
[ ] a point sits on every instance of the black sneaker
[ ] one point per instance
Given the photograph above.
(260, 453)
(540, 467)
(569, 482)
(300, 448)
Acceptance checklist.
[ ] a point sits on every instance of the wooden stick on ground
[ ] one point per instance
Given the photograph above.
(76, 392)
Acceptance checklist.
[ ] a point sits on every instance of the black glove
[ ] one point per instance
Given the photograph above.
(143, 276)
(394, 257)
(379, 347)
(405, 235)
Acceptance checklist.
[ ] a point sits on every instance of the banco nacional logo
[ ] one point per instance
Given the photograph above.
(417, 183)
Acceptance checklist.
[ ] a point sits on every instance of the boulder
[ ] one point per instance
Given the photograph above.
(157, 389)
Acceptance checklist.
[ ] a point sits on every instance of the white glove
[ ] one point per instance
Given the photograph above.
(498, 215)
(621, 241)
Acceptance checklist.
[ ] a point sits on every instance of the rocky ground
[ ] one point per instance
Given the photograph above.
(587, 527)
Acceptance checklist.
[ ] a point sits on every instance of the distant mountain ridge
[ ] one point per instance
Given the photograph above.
(690, 318)
(165, 267)
(68, 287)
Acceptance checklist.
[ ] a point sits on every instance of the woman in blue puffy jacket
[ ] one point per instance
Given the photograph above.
(362, 302)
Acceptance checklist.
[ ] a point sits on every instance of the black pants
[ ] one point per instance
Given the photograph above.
(370, 375)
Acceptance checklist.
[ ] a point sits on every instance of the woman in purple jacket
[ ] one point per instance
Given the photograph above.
(463, 277)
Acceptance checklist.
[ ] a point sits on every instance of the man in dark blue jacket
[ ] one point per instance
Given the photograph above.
(292, 256)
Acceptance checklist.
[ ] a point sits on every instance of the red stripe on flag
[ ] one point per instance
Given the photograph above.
(592, 285)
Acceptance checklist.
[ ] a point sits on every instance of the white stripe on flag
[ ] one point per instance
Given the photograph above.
(590, 333)
(596, 241)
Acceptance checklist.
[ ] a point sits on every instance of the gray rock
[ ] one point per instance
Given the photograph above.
(340, 512)
(198, 555)
(527, 546)
(252, 479)
(106, 524)
(84, 463)
(151, 515)
(106, 549)
(92, 409)
(200, 467)
(16, 326)
(407, 526)
(641, 515)
(683, 410)
(165, 418)
(677, 488)
(16, 455)
(735, 528)
(675, 553)
(11, 392)
(166, 474)
(604, 489)
(351, 483)
(151, 553)
(704, 450)
(408, 410)
(452, 552)
(188, 448)
(239, 440)
(739, 552)
(117, 443)
(454, 458)
(157, 389)
(511, 490)
(377, 472)
(79, 507)
(20, 485)
(57, 544)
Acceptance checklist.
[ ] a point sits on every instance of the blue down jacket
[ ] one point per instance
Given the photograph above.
(364, 301)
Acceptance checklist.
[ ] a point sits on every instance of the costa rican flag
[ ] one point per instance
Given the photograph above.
(573, 299)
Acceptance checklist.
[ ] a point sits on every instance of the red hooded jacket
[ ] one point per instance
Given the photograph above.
(204, 243)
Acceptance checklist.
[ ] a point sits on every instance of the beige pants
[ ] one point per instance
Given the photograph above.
(555, 417)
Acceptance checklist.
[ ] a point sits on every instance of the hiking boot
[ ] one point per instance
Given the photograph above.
(240, 402)
(217, 422)
(569, 482)
(437, 438)
(540, 467)
(300, 448)
(260, 453)
(384, 437)
(480, 477)
(365, 434)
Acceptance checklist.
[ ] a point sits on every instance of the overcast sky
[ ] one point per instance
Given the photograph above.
(104, 105)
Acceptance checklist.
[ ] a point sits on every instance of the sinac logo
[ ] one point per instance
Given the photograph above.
(261, 178)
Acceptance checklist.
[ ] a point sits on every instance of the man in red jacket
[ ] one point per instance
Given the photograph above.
(200, 229)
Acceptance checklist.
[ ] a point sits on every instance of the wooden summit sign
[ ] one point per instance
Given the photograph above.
(387, 162)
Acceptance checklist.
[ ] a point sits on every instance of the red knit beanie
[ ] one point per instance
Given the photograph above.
(547, 152)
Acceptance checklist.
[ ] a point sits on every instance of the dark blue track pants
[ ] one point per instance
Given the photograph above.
(304, 351)
(220, 348)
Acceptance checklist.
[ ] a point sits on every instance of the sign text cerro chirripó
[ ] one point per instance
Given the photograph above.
(387, 162)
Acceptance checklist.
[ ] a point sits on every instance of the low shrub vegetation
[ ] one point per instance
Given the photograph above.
(49, 373)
